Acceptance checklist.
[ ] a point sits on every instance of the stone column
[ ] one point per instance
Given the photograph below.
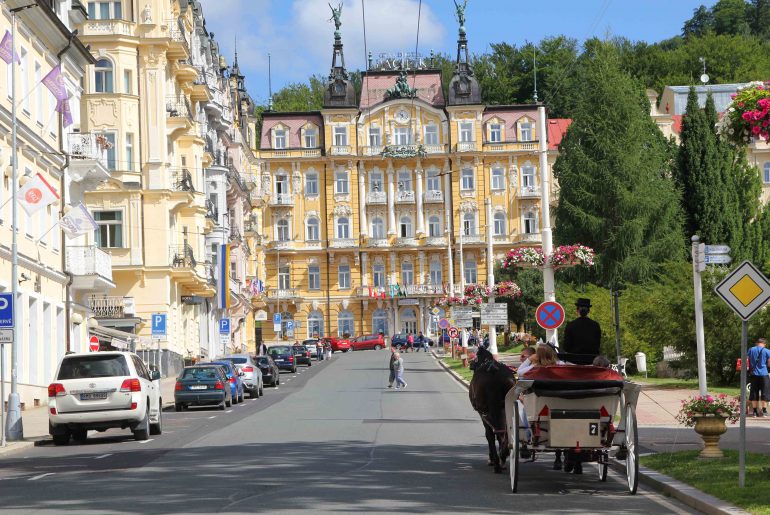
(421, 257)
(396, 328)
(364, 269)
(393, 272)
(418, 194)
(391, 201)
(362, 199)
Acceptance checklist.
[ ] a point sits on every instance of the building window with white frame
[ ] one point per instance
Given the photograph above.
(526, 130)
(380, 321)
(431, 134)
(315, 324)
(375, 137)
(528, 176)
(313, 229)
(469, 224)
(407, 273)
(530, 223)
(375, 181)
(39, 94)
(467, 179)
(281, 184)
(435, 272)
(343, 228)
(282, 230)
(378, 275)
(341, 184)
(112, 150)
(313, 277)
(495, 133)
(284, 277)
(340, 136)
(128, 83)
(110, 231)
(402, 136)
(499, 224)
(345, 324)
(311, 137)
(404, 180)
(378, 228)
(466, 132)
(470, 272)
(103, 76)
(279, 136)
(767, 173)
(343, 276)
(498, 178)
(105, 10)
(433, 182)
(129, 164)
(405, 227)
(311, 184)
(434, 226)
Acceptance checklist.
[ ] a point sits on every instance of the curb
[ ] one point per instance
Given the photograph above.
(11, 447)
(683, 492)
(661, 483)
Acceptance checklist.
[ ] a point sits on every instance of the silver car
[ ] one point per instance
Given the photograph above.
(251, 374)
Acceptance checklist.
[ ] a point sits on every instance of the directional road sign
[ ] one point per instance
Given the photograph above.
(717, 249)
(718, 259)
(93, 344)
(443, 323)
(6, 310)
(549, 315)
(463, 316)
(745, 290)
(224, 326)
(494, 313)
(159, 324)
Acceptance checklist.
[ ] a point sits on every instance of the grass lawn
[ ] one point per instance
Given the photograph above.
(719, 477)
(457, 366)
(682, 384)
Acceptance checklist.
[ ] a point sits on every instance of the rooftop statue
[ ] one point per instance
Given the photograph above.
(401, 89)
(337, 15)
(461, 13)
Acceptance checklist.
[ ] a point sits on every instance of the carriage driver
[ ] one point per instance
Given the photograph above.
(583, 335)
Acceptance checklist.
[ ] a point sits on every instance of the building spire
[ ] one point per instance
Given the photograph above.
(339, 89)
(463, 88)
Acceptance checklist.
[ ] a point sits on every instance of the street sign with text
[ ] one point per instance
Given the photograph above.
(6, 336)
(717, 249)
(224, 326)
(494, 313)
(718, 259)
(6, 310)
(158, 324)
(463, 316)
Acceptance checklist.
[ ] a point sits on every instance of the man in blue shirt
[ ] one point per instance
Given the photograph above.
(759, 361)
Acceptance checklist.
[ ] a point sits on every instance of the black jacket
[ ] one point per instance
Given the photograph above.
(582, 336)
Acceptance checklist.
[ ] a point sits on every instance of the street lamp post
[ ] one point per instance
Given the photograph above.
(549, 288)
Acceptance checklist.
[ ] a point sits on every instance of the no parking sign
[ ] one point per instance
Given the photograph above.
(549, 315)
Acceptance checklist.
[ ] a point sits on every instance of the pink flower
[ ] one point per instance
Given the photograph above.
(756, 129)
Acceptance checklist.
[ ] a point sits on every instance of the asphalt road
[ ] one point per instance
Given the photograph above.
(333, 438)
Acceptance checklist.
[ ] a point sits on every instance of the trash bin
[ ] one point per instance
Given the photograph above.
(641, 362)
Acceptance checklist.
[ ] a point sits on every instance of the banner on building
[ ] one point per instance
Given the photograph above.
(7, 52)
(223, 284)
(77, 221)
(36, 194)
(54, 81)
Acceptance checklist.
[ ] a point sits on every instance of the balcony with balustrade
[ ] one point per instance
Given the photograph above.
(510, 146)
(111, 307)
(378, 242)
(434, 149)
(179, 44)
(195, 276)
(372, 150)
(181, 180)
(529, 238)
(186, 71)
(282, 199)
(91, 268)
(404, 197)
(282, 294)
(402, 241)
(466, 146)
(473, 239)
(433, 197)
(435, 241)
(88, 156)
(376, 198)
(341, 150)
(529, 192)
(343, 243)
(303, 152)
(179, 118)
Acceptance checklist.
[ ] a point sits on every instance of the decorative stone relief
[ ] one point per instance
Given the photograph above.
(469, 207)
(297, 182)
(345, 303)
(103, 113)
(342, 210)
(147, 14)
(266, 182)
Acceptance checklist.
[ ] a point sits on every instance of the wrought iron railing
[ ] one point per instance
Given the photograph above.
(182, 256)
(181, 180)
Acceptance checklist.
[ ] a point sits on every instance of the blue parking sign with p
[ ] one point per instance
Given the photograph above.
(224, 326)
(6, 310)
(159, 324)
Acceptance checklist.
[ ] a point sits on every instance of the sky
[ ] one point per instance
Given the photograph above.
(298, 34)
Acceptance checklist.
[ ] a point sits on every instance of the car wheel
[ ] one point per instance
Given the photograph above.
(228, 403)
(277, 381)
(61, 439)
(377, 347)
(310, 363)
(80, 435)
(254, 394)
(157, 427)
(294, 370)
(261, 390)
(142, 432)
(223, 404)
(178, 406)
(243, 394)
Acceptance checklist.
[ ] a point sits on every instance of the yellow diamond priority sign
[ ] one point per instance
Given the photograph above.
(745, 290)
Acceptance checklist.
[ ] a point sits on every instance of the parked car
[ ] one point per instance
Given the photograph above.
(338, 344)
(302, 355)
(312, 346)
(233, 378)
(367, 342)
(398, 341)
(283, 357)
(202, 385)
(270, 371)
(252, 375)
(103, 390)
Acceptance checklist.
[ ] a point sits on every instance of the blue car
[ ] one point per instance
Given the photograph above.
(233, 378)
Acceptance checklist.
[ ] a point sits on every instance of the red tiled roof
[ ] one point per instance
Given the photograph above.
(557, 128)
(294, 122)
(510, 118)
(428, 87)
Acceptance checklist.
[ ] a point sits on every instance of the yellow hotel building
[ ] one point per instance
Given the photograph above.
(375, 195)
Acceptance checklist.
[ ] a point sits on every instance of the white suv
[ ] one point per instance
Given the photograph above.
(102, 390)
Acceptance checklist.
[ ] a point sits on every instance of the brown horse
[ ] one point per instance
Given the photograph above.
(489, 385)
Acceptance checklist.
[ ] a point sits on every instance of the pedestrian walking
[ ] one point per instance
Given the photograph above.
(398, 366)
(262, 349)
(319, 350)
(758, 359)
(391, 367)
(421, 343)
(328, 350)
(409, 342)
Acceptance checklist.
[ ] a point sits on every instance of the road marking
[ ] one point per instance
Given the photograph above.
(41, 476)
(147, 441)
(229, 411)
(212, 417)
(102, 456)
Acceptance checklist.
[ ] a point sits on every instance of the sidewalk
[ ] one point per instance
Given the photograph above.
(35, 421)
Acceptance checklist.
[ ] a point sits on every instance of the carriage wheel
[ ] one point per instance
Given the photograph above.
(513, 460)
(632, 450)
(603, 459)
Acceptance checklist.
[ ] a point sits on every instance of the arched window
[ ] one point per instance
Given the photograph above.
(313, 229)
(345, 325)
(378, 228)
(406, 227)
(469, 224)
(434, 226)
(527, 176)
(343, 275)
(467, 179)
(343, 228)
(435, 272)
(103, 76)
(407, 273)
(767, 173)
(282, 230)
(530, 223)
(378, 275)
(315, 324)
(380, 321)
(499, 228)
(470, 270)
(498, 178)
(404, 180)
(434, 181)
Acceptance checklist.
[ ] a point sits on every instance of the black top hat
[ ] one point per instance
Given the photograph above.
(583, 303)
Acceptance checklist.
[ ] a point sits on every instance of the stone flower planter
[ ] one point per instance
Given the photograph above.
(710, 428)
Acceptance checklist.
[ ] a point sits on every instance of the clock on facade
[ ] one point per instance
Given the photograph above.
(402, 116)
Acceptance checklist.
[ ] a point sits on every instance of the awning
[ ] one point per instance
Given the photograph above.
(118, 339)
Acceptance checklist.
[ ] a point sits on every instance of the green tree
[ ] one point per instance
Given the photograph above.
(730, 17)
(702, 21)
(616, 194)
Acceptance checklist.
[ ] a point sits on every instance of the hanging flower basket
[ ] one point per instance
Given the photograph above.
(572, 255)
(446, 302)
(477, 291)
(748, 116)
(524, 257)
(507, 289)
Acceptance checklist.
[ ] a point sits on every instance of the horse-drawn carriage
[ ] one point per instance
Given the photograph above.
(573, 408)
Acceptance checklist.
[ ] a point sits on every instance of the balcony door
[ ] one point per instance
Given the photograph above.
(281, 184)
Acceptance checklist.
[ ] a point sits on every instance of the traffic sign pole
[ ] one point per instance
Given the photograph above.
(742, 431)
(697, 266)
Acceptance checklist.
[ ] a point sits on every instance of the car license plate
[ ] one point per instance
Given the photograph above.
(97, 396)
(198, 387)
(278, 360)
